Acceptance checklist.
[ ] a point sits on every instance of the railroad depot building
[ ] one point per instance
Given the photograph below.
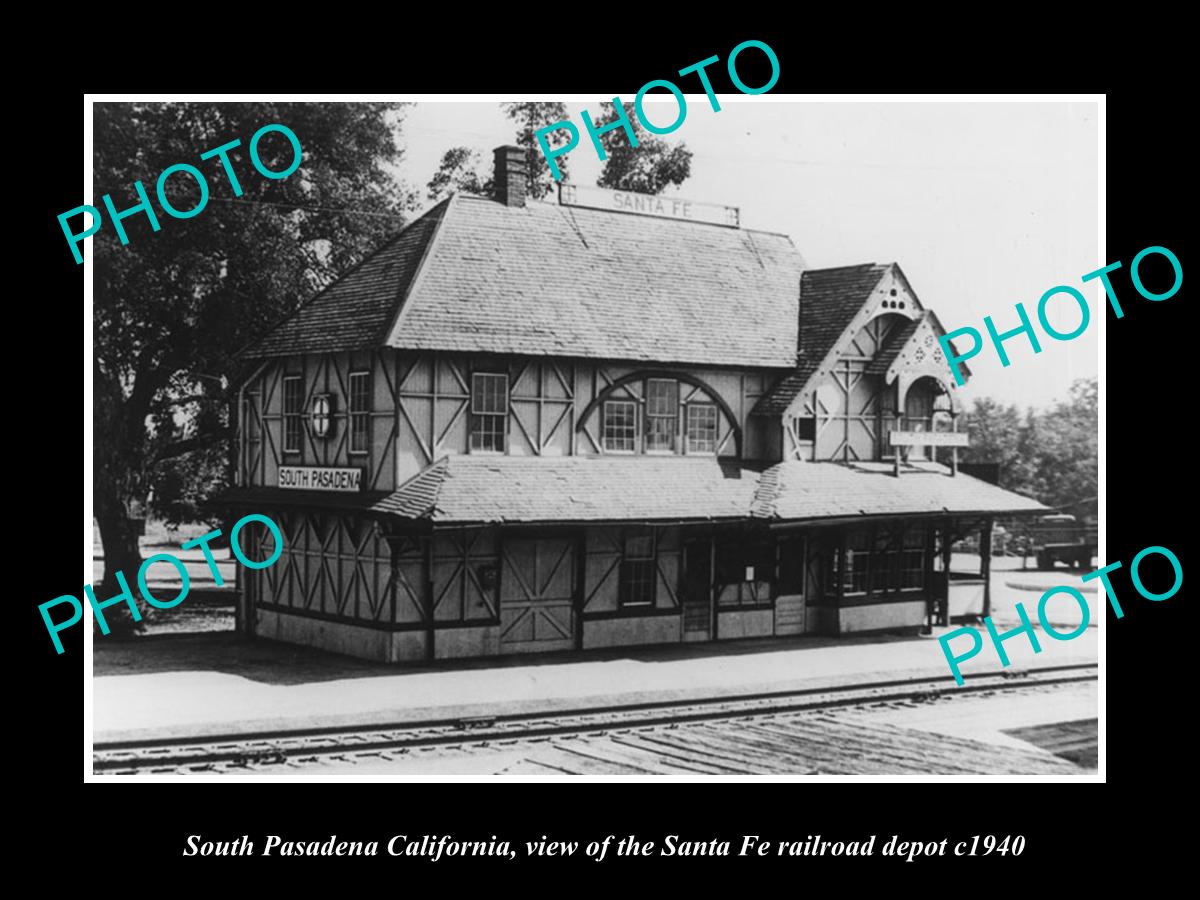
(605, 420)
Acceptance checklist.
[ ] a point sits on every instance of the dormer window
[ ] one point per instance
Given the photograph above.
(489, 412)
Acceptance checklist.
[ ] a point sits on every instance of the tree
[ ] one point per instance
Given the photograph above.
(459, 171)
(173, 306)
(1066, 450)
(998, 436)
(530, 117)
(1051, 456)
(647, 168)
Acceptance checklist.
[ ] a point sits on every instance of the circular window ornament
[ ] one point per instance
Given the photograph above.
(322, 415)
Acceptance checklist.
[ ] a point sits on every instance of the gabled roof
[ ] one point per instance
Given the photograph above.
(829, 301)
(464, 489)
(892, 346)
(475, 275)
(915, 348)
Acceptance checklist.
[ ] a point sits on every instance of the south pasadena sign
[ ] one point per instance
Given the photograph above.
(309, 478)
(647, 204)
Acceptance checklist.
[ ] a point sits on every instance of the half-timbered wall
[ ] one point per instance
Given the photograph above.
(262, 445)
(421, 411)
(852, 401)
(340, 568)
(602, 594)
(607, 620)
(548, 400)
(465, 576)
(347, 585)
(848, 406)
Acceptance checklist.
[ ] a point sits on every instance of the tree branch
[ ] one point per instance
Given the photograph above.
(179, 448)
(190, 398)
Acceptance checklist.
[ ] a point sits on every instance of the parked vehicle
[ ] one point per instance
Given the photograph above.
(1062, 538)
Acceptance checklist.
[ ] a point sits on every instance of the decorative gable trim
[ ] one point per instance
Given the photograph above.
(922, 357)
(879, 302)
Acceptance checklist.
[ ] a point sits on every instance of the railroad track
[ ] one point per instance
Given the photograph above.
(271, 748)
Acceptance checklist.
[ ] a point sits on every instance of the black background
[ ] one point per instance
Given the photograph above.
(1149, 446)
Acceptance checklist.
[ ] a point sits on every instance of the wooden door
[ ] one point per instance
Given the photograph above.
(537, 595)
(697, 591)
(790, 606)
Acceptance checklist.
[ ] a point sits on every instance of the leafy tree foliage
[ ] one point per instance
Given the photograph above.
(647, 168)
(459, 171)
(173, 307)
(1051, 456)
(529, 118)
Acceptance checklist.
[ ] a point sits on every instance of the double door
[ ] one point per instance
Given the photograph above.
(537, 590)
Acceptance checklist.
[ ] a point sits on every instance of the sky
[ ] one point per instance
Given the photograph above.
(983, 205)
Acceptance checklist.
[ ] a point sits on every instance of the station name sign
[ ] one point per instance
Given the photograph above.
(311, 478)
(928, 438)
(648, 205)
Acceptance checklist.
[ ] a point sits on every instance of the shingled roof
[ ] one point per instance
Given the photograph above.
(574, 489)
(354, 312)
(464, 489)
(478, 276)
(829, 300)
(891, 348)
(805, 490)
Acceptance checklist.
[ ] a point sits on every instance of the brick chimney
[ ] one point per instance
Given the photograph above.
(509, 175)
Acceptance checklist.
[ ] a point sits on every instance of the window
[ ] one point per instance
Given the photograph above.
(893, 559)
(858, 555)
(885, 560)
(292, 422)
(655, 414)
(912, 560)
(360, 412)
(620, 426)
(489, 412)
(702, 428)
(662, 410)
(637, 568)
(745, 572)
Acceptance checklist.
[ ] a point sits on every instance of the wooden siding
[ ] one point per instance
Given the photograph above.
(261, 423)
(337, 567)
(602, 572)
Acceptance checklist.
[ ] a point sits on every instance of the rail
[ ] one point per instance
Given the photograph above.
(166, 755)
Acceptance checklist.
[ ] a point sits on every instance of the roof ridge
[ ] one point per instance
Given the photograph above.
(388, 242)
(549, 204)
(401, 300)
(870, 265)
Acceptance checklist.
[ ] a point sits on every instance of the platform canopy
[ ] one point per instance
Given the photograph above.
(480, 489)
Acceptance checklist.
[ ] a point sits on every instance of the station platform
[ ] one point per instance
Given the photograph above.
(217, 684)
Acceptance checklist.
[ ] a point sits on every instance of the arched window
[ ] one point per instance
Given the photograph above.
(658, 412)
(927, 403)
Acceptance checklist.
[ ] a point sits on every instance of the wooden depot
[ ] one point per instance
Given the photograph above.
(559, 426)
